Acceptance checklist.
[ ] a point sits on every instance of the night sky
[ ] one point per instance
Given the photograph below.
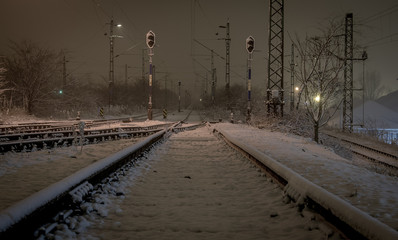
(78, 27)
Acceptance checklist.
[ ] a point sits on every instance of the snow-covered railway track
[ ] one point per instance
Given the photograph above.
(191, 186)
(40, 140)
(22, 219)
(349, 220)
(371, 153)
(26, 128)
(57, 126)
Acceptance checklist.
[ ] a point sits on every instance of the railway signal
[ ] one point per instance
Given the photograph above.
(250, 44)
(250, 49)
(150, 42)
(150, 39)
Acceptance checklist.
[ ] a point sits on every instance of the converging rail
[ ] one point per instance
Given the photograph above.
(195, 185)
(197, 166)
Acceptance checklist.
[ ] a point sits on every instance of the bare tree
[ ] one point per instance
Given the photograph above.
(3, 70)
(319, 70)
(30, 71)
(3, 84)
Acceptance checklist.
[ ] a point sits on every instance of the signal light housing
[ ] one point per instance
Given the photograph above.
(150, 39)
(250, 44)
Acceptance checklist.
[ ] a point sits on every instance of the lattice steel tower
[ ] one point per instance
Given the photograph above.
(275, 59)
(348, 99)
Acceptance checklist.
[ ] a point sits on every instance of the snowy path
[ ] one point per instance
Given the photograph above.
(194, 187)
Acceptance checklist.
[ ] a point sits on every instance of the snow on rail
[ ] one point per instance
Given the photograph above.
(25, 207)
(300, 189)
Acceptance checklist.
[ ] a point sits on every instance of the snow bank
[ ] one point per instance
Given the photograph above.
(23, 208)
(300, 188)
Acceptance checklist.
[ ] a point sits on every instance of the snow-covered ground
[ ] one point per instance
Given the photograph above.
(371, 192)
(22, 174)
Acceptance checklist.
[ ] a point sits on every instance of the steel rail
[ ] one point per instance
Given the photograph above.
(22, 219)
(19, 142)
(347, 219)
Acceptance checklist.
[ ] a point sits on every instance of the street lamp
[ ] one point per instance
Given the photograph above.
(364, 57)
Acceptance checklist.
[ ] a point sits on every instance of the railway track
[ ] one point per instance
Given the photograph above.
(387, 159)
(47, 139)
(195, 187)
(26, 128)
(63, 205)
(60, 126)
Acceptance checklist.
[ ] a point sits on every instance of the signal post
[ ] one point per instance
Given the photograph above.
(150, 42)
(250, 49)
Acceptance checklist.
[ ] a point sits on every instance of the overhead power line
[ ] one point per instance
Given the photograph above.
(380, 14)
(376, 42)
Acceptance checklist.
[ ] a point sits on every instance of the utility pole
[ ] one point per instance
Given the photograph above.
(111, 65)
(179, 96)
(153, 82)
(348, 73)
(143, 71)
(227, 59)
(213, 78)
(165, 92)
(111, 59)
(292, 79)
(212, 71)
(205, 85)
(364, 57)
(275, 89)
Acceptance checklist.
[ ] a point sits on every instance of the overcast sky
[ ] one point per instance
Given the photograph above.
(78, 26)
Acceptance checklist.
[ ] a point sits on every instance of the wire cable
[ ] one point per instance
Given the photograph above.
(380, 14)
